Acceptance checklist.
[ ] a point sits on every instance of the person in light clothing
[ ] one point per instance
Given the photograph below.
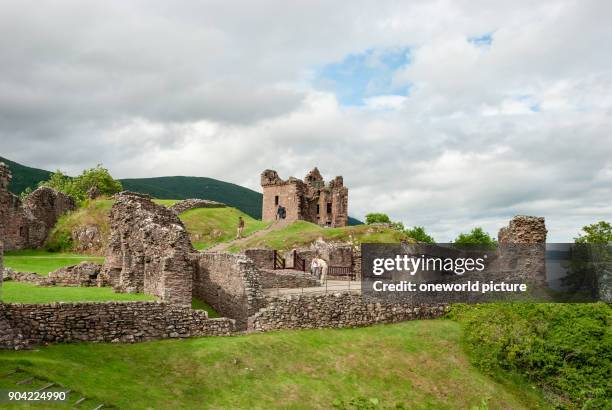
(323, 269)
(314, 268)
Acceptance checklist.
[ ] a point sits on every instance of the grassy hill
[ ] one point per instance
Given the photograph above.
(206, 226)
(24, 177)
(418, 364)
(303, 233)
(175, 187)
(209, 226)
(247, 200)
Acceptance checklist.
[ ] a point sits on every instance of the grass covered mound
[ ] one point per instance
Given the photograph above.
(302, 233)
(565, 348)
(90, 213)
(209, 226)
(416, 364)
(206, 226)
(43, 262)
(20, 292)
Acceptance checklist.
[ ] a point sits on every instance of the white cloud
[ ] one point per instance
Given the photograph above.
(226, 90)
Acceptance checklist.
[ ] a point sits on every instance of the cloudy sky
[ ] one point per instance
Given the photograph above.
(447, 114)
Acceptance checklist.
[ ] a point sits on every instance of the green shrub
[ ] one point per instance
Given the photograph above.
(78, 186)
(59, 241)
(418, 234)
(375, 217)
(564, 348)
(477, 237)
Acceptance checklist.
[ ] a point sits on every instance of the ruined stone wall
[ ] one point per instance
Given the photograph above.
(263, 258)
(288, 196)
(286, 278)
(28, 277)
(522, 248)
(335, 254)
(1, 267)
(188, 204)
(46, 205)
(83, 274)
(148, 250)
(230, 283)
(8, 339)
(104, 322)
(523, 229)
(305, 200)
(27, 224)
(335, 311)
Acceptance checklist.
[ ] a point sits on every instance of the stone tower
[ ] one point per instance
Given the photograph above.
(309, 200)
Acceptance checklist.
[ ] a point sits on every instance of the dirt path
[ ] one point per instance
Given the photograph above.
(224, 245)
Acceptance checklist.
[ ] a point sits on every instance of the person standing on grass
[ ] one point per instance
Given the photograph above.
(240, 227)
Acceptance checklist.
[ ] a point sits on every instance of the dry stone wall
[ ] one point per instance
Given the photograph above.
(336, 311)
(188, 204)
(286, 278)
(263, 258)
(29, 325)
(83, 274)
(148, 250)
(230, 283)
(29, 277)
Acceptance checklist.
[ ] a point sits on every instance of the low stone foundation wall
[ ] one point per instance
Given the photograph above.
(29, 277)
(335, 311)
(230, 283)
(83, 274)
(187, 204)
(286, 279)
(33, 324)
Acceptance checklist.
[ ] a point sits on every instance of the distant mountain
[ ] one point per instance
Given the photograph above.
(24, 177)
(247, 200)
(178, 187)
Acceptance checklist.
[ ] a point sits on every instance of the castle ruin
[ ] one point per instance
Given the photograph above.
(309, 200)
(26, 224)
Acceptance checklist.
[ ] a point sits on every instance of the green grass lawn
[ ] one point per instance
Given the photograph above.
(417, 364)
(209, 226)
(43, 262)
(303, 233)
(198, 304)
(20, 292)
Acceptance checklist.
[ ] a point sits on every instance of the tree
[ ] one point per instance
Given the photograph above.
(591, 258)
(373, 218)
(78, 186)
(600, 232)
(418, 234)
(477, 236)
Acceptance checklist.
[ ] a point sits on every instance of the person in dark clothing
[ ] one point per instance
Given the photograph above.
(240, 227)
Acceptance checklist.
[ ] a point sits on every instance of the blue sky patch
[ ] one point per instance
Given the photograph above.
(363, 75)
(482, 41)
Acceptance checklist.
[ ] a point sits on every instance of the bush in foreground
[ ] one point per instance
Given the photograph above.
(564, 348)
